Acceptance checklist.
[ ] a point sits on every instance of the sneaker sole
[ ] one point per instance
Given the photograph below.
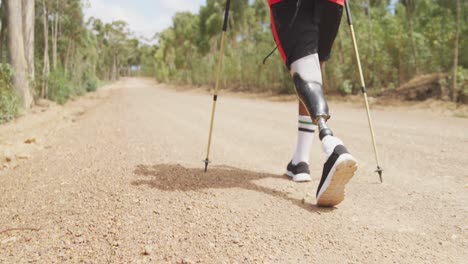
(334, 188)
(301, 177)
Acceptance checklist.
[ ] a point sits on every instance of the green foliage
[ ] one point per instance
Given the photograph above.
(188, 51)
(462, 79)
(418, 39)
(91, 84)
(9, 101)
(63, 87)
(346, 87)
(60, 89)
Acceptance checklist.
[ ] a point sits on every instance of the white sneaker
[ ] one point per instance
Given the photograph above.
(337, 171)
(299, 172)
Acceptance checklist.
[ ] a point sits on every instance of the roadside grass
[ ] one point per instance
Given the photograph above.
(9, 101)
(460, 115)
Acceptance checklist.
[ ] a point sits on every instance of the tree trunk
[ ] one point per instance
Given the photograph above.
(28, 31)
(2, 32)
(73, 61)
(114, 68)
(16, 50)
(413, 46)
(455, 57)
(410, 6)
(46, 70)
(54, 40)
(67, 55)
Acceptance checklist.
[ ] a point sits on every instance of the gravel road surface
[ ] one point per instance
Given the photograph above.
(117, 177)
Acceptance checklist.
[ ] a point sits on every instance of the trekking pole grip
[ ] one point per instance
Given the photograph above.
(226, 15)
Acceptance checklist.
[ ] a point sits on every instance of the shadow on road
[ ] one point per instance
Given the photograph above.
(174, 177)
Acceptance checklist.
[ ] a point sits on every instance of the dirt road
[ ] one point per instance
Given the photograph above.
(122, 182)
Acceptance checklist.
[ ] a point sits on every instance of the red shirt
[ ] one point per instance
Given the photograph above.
(340, 2)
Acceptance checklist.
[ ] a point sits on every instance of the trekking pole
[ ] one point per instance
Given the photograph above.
(364, 91)
(218, 76)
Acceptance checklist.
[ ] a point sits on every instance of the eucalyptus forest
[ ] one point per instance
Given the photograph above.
(49, 51)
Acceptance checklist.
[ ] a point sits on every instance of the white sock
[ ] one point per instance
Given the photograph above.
(305, 136)
(329, 144)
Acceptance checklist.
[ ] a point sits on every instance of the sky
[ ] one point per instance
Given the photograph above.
(392, 6)
(145, 17)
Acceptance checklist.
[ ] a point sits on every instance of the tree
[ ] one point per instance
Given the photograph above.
(55, 30)
(28, 31)
(4, 21)
(14, 11)
(411, 6)
(455, 51)
(116, 34)
(46, 66)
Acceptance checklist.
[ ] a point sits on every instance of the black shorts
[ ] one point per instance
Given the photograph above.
(314, 30)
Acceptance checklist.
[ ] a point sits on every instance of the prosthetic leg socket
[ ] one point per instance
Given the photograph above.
(311, 95)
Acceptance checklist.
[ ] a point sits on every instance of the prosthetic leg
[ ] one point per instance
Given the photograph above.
(307, 78)
(340, 165)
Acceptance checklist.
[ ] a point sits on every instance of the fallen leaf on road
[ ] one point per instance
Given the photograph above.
(22, 156)
(8, 155)
(30, 141)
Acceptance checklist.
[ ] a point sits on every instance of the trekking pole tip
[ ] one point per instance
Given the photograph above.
(206, 165)
(379, 171)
